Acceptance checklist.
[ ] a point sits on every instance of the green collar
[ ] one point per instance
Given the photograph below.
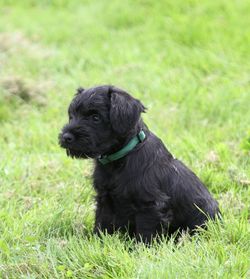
(105, 159)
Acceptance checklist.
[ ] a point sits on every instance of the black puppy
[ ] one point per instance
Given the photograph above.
(141, 188)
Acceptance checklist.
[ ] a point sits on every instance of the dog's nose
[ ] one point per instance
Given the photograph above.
(68, 137)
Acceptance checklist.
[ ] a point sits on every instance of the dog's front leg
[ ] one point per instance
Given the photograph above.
(104, 218)
(147, 223)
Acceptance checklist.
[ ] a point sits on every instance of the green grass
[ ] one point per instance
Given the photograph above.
(189, 62)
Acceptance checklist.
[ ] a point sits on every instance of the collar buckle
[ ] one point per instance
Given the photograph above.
(105, 159)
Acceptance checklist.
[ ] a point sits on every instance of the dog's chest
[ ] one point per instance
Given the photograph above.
(124, 187)
(123, 206)
(119, 183)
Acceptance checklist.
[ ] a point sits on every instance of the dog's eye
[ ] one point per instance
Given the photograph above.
(95, 117)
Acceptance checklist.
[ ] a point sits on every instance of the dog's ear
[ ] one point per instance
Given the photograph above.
(79, 90)
(124, 111)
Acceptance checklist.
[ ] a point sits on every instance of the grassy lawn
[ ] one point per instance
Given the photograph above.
(189, 63)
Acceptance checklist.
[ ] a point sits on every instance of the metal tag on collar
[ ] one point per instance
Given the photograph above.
(141, 136)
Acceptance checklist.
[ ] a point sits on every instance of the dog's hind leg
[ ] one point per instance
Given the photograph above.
(148, 223)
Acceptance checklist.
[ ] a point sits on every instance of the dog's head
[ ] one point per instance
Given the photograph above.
(101, 119)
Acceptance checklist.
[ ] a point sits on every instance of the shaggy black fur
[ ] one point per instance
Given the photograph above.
(145, 193)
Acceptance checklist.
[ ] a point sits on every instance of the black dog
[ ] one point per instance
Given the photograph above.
(141, 188)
